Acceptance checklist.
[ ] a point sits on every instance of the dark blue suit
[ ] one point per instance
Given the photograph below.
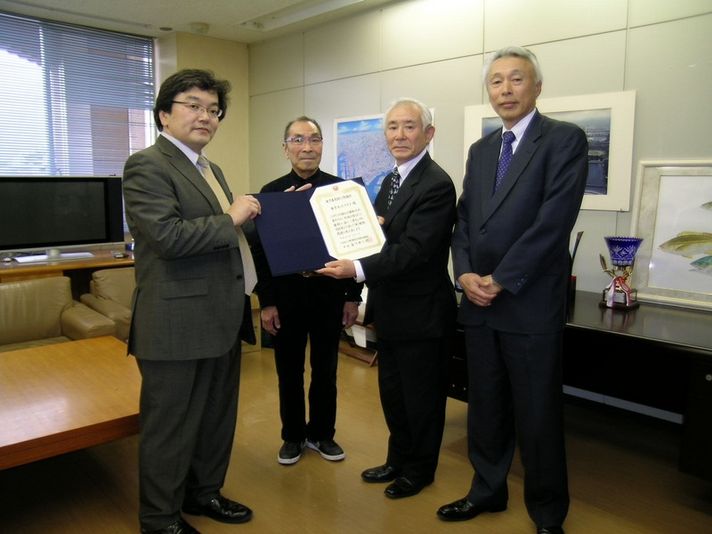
(519, 235)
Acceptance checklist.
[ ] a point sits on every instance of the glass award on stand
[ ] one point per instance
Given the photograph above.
(619, 294)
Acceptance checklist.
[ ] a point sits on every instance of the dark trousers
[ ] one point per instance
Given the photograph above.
(320, 322)
(188, 413)
(515, 393)
(412, 380)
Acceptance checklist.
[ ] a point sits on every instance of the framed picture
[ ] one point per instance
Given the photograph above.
(607, 119)
(362, 152)
(673, 214)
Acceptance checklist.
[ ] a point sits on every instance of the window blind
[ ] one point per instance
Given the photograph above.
(74, 101)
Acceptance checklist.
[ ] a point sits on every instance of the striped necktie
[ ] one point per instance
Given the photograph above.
(248, 264)
(394, 186)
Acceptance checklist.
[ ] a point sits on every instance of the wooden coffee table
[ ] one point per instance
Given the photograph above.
(64, 397)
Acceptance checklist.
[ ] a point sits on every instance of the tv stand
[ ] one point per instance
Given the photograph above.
(78, 269)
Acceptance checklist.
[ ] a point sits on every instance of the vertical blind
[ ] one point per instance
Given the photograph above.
(73, 101)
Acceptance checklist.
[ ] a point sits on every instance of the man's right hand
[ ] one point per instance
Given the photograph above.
(243, 208)
(478, 289)
(270, 319)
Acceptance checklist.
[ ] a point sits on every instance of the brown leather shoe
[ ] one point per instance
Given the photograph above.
(220, 509)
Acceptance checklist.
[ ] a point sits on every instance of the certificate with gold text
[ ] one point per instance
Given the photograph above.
(347, 221)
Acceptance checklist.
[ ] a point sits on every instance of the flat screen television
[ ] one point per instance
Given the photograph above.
(37, 213)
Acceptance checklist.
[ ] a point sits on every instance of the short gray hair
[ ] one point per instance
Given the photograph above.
(512, 51)
(426, 118)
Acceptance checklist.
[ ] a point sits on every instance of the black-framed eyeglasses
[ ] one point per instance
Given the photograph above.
(314, 140)
(213, 112)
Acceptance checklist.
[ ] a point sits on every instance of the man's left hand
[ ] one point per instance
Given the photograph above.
(350, 314)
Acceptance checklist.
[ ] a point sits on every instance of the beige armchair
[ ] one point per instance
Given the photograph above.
(41, 311)
(110, 294)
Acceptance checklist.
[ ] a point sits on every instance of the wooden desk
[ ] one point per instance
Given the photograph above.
(64, 397)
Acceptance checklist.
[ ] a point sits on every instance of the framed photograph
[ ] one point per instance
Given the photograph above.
(673, 214)
(362, 152)
(607, 119)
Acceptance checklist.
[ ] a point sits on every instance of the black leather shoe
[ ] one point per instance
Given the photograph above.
(402, 487)
(382, 473)
(221, 509)
(549, 530)
(179, 527)
(463, 509)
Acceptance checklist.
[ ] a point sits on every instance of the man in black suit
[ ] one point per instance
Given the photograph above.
(510, 255)
(411, 300)
(193, 270)
(300, 306)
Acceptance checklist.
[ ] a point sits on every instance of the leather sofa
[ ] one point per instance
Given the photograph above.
(41, 311)
(110, 293)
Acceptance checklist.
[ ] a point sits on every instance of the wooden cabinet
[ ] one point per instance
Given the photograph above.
(696, 448)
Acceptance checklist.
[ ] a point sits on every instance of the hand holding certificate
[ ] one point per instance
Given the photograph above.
(301, 231)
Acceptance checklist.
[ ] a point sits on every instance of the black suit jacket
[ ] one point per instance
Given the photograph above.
(520, 234)
(411, 295)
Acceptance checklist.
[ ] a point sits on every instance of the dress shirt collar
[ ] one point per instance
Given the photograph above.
(519, 129)
(405, 168)
(189, 152)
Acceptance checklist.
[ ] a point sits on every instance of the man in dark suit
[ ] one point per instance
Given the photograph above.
(411, 300)
(189, 304)
(510, 255)
(300, 306)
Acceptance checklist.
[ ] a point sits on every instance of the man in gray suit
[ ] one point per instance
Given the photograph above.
(188, 307)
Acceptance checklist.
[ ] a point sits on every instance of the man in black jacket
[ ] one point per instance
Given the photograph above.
(298, 306)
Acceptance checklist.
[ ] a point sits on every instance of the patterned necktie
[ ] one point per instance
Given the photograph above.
(248, 264)
(504, 159)
(395, 185)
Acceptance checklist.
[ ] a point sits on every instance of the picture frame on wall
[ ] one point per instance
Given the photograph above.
(608, 120)
(673, 214)
(361, 151)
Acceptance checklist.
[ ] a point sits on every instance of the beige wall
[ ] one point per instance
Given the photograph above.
(228, 60)
(433, 50)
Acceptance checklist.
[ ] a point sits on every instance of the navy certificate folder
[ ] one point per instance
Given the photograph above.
(289, 233)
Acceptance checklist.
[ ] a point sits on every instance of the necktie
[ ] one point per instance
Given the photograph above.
(395, 185)
(248, 264)
(505, 158)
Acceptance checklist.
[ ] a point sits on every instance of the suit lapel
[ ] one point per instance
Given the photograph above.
(406, 190)
(191, 173)
(525, 151)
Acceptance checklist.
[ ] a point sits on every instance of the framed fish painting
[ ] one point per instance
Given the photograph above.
(673, 214)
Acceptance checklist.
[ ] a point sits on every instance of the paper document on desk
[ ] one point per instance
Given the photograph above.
(64, 256)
